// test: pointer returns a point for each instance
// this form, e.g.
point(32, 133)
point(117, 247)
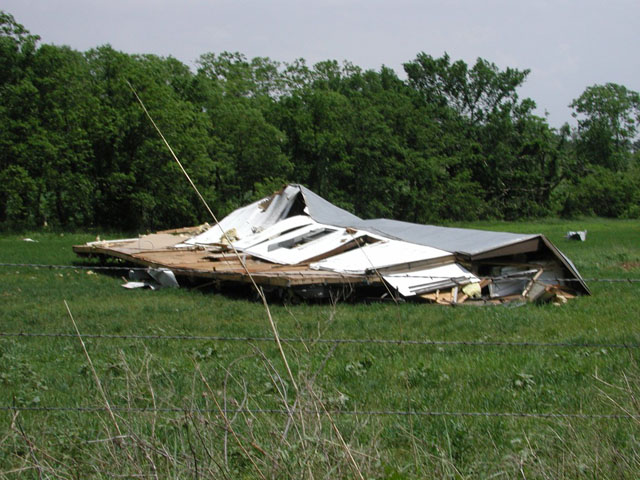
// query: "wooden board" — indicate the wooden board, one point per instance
point(226, 267)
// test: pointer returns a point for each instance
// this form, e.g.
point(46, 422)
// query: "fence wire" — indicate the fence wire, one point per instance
point(368, 413)
point(191, 270)
point(338, 341)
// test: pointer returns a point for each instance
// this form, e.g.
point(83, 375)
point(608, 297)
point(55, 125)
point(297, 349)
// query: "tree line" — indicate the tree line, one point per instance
point(452, 141)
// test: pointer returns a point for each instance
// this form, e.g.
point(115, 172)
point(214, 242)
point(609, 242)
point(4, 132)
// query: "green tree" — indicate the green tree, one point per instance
point(17, 46)
point(490, 137)
point(18, 197)
point(474, 93)
point(451, 142)
point(240, 77)
point(608, 119)
point(237, 96)
point(138, 184)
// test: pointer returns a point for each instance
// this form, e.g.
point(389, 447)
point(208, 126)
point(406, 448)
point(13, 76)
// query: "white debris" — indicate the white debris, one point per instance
point(577, 235)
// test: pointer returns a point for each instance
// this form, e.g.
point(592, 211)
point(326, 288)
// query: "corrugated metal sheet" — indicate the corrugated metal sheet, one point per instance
point(326, 212)
point(460, 240)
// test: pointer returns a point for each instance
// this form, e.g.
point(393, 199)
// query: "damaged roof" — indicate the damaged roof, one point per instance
point(461, 240)
point(295, 239)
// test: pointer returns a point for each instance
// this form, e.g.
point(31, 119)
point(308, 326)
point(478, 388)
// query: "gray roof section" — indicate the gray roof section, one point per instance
point(463, 241)
point(326, 212)
point(460, 240)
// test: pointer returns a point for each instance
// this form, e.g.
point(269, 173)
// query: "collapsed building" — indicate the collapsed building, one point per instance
point(295, 243)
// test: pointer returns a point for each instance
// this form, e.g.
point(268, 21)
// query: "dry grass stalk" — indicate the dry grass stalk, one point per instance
point(93, 371)
point(228, 425)
point(345, 447)
point(112, 416)
point(631, 391)
point(230, 243)
point(42, 465)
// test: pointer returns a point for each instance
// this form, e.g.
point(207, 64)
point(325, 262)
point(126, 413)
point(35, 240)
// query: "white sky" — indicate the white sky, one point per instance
point(567, 44)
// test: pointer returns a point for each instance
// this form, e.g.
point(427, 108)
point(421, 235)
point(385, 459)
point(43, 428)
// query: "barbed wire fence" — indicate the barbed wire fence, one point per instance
point(332, 341)
point(361, 341)
point(367, 413)
point(191, 270)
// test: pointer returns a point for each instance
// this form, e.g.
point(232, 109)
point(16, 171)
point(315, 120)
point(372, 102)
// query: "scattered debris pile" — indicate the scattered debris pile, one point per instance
point(296, 243)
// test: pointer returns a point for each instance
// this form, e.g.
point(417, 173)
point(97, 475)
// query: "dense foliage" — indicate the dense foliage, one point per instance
point(452, 141)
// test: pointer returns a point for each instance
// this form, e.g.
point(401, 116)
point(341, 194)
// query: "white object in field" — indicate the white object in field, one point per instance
point(430, 279)
point(577, 235)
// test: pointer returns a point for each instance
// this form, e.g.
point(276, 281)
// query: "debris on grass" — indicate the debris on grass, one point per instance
point(294, 243)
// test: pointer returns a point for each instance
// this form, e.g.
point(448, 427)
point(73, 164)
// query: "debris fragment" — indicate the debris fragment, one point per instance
point(472, 290)
point(230, 235)
point(577, 235)
point(153, 278)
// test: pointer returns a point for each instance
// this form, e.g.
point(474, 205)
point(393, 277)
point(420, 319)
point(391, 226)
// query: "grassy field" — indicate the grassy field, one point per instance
point(168, 395)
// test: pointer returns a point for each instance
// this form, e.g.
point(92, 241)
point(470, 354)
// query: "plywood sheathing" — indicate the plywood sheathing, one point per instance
point(204, 263)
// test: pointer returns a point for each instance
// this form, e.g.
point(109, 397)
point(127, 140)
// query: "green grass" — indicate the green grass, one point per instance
point(53, 372)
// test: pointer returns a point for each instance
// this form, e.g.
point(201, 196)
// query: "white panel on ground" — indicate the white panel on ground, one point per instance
point(430, 279)
point(378, 255)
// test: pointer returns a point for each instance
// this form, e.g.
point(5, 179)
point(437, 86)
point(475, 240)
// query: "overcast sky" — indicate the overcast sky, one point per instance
point(567, 44)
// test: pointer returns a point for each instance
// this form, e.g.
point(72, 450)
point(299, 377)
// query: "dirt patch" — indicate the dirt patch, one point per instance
point(630, 266)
